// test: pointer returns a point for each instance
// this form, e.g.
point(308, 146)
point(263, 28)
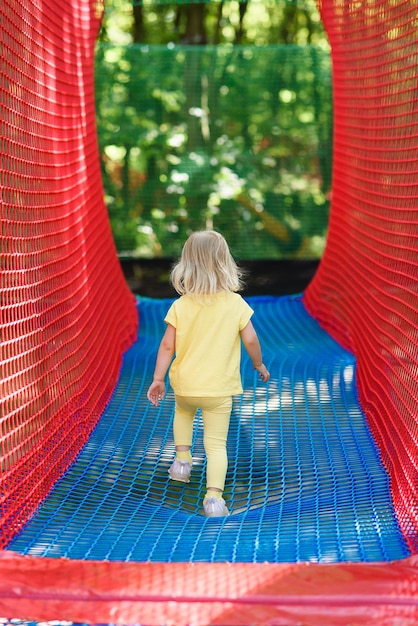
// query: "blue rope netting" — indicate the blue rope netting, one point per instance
point(305, 481)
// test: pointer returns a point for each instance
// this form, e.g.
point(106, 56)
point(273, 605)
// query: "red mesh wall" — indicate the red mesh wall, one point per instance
point(365, 292)
point(66, 312)
point(219, 594)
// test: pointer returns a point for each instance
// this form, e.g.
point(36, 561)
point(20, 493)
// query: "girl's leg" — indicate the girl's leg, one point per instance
point(216, 414)
point(183, 427)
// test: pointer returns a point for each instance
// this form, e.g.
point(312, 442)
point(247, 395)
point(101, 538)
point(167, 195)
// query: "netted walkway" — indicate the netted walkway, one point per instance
point(305, 481)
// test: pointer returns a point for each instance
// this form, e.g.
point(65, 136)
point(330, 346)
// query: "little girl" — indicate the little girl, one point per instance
point(205, 327)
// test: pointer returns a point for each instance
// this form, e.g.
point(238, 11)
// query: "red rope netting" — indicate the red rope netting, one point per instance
point(365, 292)
point(66, 312)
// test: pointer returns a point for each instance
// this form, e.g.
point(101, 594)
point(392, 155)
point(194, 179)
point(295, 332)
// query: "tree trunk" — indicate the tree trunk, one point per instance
point(138, 33)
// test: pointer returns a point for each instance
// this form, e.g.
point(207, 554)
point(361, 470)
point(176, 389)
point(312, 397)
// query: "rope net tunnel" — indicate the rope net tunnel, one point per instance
point(322, 482)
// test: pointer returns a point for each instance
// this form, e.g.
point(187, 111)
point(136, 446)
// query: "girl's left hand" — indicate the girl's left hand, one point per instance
point(264, 373)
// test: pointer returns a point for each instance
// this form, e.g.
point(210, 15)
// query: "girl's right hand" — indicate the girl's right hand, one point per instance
point(156, 392)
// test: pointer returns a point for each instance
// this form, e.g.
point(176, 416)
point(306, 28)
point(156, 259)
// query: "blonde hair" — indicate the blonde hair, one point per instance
point(206, 266)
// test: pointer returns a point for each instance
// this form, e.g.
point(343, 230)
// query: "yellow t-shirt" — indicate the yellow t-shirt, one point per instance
point(208, 344)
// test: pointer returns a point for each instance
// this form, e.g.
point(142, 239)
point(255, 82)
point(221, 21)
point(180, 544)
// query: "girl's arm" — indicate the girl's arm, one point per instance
point(252, 346)
point(164, 357)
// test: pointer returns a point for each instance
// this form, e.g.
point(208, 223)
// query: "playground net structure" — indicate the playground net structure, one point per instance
point(67, 315)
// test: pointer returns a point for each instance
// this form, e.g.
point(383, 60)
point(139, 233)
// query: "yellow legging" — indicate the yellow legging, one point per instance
point(216, 413)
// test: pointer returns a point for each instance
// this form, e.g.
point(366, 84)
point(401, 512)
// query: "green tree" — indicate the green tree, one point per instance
point(232, 136)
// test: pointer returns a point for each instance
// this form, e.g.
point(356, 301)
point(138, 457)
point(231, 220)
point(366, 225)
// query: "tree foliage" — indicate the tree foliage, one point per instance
point(204, 122)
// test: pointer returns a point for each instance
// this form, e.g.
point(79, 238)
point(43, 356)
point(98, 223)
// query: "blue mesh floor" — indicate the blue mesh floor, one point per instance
point(305, 481)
